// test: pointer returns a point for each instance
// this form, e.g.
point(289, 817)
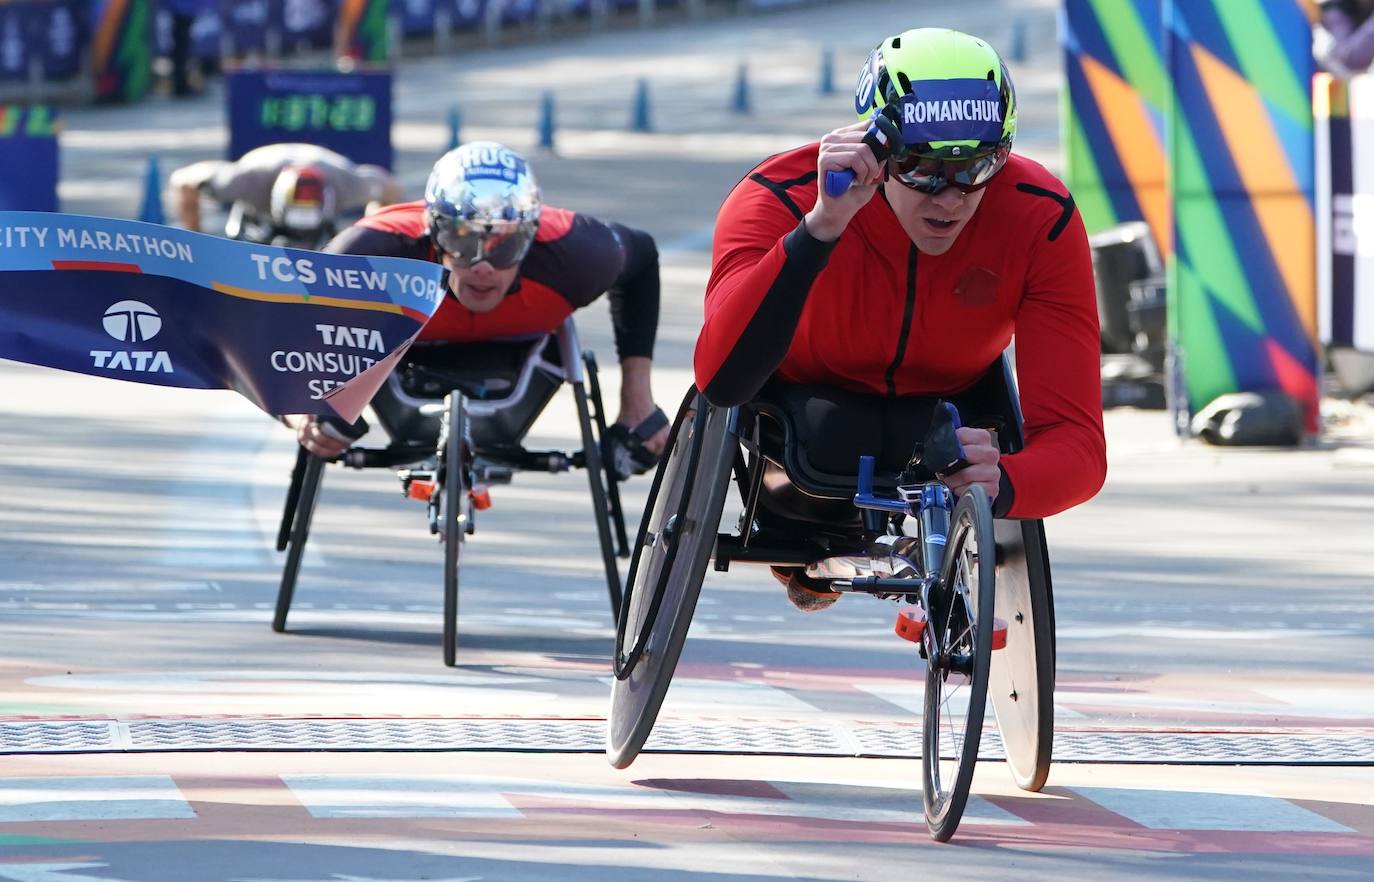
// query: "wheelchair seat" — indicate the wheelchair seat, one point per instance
point(813, 435)
point(506, 384)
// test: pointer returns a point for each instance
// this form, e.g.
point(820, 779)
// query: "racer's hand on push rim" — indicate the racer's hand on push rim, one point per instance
point(841, 149)
point(981, 453)
point(319, 438)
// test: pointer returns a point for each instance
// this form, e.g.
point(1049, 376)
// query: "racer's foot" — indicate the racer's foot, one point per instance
point(806, 594)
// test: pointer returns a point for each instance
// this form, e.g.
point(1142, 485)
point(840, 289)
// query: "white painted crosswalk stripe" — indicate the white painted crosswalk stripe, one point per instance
point(103, 798)
point(697, 694)
point(394, 796)
point(911, 697)
point(1184, 810)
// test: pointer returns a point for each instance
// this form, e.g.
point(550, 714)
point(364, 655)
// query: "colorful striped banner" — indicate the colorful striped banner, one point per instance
point(1195, 118)
point(364, 30)
point(122, 49)
point(1242, 292)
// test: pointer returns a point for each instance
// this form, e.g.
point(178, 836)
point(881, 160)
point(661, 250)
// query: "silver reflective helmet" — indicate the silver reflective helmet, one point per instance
point(478, 191)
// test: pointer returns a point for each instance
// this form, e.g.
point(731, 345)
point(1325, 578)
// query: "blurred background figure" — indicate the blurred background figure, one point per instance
point(283, 194)
point(1343, 40)
point(183, 14)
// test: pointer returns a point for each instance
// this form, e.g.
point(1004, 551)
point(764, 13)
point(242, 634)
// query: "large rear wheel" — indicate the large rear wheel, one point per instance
point(1021, 684)
point(958, 645)
point(676, 537)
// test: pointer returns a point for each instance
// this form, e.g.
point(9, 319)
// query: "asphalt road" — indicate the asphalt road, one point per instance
point(1214, 615)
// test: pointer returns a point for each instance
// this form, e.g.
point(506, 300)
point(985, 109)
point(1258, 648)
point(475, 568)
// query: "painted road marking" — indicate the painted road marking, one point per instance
point(390, 796)
point(717, 695)
point(1352, 703)
point(911, 697)
point(103, 798)
point(471, 796)
point(1190, 810)
point(53, 873)
point(858, 801)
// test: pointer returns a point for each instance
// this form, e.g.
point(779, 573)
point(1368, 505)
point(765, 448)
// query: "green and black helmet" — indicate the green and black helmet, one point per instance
point(952, 99)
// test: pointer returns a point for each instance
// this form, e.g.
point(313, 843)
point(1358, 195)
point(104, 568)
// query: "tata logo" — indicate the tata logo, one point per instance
point(132, 322)
point(129, 321)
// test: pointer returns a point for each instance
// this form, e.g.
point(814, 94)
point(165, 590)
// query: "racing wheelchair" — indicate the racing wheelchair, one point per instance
point(981, 611)
point(456, 416)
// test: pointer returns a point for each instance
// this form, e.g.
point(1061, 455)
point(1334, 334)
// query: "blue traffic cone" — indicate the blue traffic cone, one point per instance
point(742, 89)
point(455, 119)
point(1016, 46)
point(151, 212)
point(639, 118)
point(827, 85)
point(546, 122)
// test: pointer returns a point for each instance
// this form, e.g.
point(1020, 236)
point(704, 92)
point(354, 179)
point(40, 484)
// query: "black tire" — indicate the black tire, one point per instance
point(1021, 683)
point(293, 498)
point(612, 486)
point(963, 620)
point(678, 532)
point(453, 515)
point(307, 494)
point(596, 481)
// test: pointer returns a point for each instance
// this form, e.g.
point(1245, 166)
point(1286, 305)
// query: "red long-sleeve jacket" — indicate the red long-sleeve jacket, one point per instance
point(873, 314)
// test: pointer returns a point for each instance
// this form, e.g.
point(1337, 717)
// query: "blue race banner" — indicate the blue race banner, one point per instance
point(56, 35)
point(308, 24)
point(246, 23)
point(28, 142)
point(14, 52)
point(292, 331)
point(349, 113)
point(417, 17)
point(468, 14)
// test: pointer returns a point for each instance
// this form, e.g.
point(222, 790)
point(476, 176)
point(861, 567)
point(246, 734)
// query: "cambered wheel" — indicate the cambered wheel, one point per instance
point(454, 514)
point(1021, 684)
point(300, 508)
point(957, 670)
point(676, 537)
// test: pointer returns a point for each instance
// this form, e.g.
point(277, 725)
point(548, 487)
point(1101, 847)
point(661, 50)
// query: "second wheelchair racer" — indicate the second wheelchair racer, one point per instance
point(865, 308)
point(518, 267)
point(291, 192)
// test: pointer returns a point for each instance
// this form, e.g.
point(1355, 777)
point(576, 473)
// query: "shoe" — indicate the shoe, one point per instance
point(806, 594)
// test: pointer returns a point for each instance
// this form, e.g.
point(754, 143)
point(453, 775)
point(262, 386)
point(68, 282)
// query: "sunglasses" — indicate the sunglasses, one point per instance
point(467, 245)
point(930, 174)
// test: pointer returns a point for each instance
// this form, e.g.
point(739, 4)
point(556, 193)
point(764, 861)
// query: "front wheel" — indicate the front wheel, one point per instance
point(958, 643)
point(453, 515)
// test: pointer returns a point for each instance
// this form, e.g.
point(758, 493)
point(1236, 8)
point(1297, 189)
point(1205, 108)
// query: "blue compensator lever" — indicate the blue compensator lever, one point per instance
point(865, 498)
point(883, 138)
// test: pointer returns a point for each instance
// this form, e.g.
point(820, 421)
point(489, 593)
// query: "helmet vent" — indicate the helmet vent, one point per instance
point(897, 42)
point(992, 77)
point(905, 82)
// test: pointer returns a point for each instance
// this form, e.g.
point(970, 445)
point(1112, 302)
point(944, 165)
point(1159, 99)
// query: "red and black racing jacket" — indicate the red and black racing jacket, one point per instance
point(574, 259)
point(872, 314)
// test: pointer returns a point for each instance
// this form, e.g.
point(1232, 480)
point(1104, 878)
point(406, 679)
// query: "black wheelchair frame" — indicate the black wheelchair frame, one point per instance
point(469, 404)
point(679, 536)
